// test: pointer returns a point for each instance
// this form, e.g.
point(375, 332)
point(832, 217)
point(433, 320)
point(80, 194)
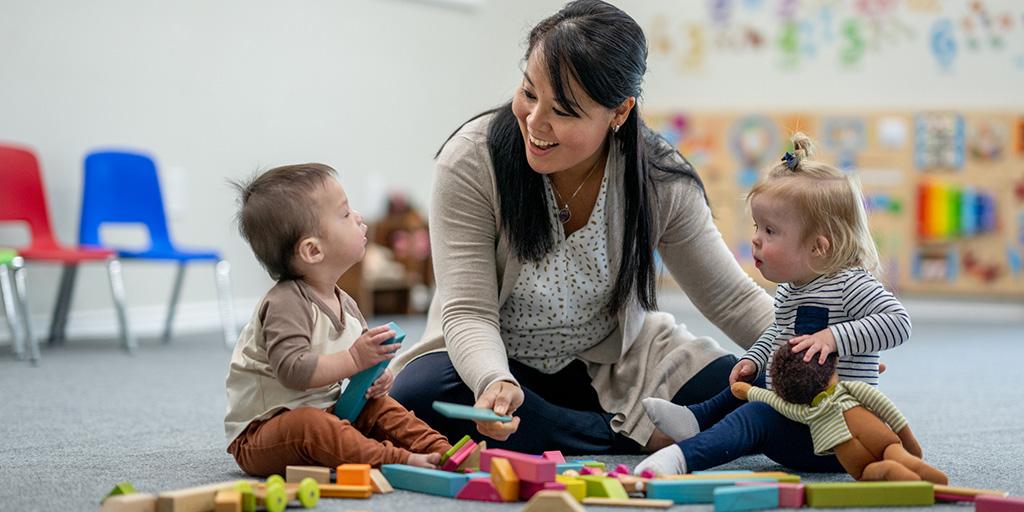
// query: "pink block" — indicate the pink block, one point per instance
point(453, 462)
point(790, 495)
point(647, 473)
point(989, 503)
point(941, 496)
point(555, 456)
point(621, 469)
point(585, 470)
point(479, 489)
point(528, 489)
point(529, 468)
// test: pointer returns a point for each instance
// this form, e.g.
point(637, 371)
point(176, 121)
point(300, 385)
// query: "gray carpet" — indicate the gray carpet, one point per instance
point(91, 416)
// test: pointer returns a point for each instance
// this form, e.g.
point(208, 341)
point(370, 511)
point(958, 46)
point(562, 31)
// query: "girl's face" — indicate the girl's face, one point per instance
point(782, 252)
point(555, 139)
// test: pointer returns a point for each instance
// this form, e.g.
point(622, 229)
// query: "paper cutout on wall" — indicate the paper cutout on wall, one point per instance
point(935, 264)
point(846, 136)
point(943, 43)
point(939, 141)
point(986, 140)
point(754, 142)
point(892, 132)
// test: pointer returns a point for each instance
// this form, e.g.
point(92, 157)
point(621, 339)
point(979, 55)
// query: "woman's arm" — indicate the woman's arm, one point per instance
point(463, 236)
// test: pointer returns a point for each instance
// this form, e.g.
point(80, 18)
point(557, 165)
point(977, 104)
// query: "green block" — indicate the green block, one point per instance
point(455, 448)
point(869, 494)
point(592, 464)
point(121, 488)
point(604, 487)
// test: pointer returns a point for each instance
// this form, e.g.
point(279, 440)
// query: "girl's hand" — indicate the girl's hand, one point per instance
point(369, 349)
point(744, 371)
point(503, 398)
point(382, 385)
point(821, 343)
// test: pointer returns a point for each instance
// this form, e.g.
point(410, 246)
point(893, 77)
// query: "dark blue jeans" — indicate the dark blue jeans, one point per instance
point(561, 411)
point(731, 428)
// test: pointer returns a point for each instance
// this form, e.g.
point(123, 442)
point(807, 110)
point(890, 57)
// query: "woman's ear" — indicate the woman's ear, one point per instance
point(623, 110)
point(310, 251)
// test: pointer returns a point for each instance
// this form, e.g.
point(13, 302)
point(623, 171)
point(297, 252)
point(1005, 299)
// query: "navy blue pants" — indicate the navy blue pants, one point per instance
point(731, 428)
point(561, 411)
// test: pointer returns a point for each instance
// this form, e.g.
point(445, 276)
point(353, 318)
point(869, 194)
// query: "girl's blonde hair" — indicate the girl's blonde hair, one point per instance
point(829, 202)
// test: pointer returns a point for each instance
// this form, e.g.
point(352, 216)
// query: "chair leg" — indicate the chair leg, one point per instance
point(179, 277)
point(11, 312)
point(63, 305)
point(227, 306)
point(117, 292)
point(26, 321)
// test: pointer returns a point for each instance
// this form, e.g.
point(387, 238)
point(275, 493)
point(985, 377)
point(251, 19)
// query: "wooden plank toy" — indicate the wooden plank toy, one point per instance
point(742, 499)
point(295, 474)
point(576, 487)
point(528, 489)
point(135, 502)
point(455, 448)
point(869, 494)
point(479, 489)
point(459, 457)
point(701, 490)
point(553, 501)
point(989, 503)
point(949, 493)
point(229, 500)
point(468, 412)
point(790, 495)
point(777, 476)
point(427, 481)
point(353, 399)
point(346, 491)
point(632, 483)
point(604, 487)
point(504, 478)
point(353, 474)
point(530, 468)
point(630, 503)
point(192, 499)
point(379, 484)
point(472, 462)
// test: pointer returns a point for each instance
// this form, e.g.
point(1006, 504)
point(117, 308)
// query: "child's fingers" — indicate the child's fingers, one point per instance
point(823, 355)
point(381, 337)
point(813, 349)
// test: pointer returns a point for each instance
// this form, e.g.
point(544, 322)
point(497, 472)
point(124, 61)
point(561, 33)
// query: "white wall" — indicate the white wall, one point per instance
point(217, 90)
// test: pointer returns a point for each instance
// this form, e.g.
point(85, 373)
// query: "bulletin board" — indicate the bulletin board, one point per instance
point(944, 190)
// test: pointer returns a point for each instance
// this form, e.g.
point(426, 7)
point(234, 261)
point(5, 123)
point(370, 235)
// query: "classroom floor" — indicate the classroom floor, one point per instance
point(90, 416)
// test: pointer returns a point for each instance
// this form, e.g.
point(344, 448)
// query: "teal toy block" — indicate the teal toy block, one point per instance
point(566, 466)
point(427, 481)
point(692, 491)
point(353, 399)
point(478, 474)
point(742, 499)
point(869, 494)
point(720, 471)
point(466, 412)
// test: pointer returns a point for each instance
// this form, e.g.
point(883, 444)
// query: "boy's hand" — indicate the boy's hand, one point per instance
point(821, 343)
point(382, 385)
point(740, 390)
point(369, 349)
point(744, 371)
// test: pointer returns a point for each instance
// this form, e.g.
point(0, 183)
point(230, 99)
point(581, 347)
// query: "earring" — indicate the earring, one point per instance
point(615, 128)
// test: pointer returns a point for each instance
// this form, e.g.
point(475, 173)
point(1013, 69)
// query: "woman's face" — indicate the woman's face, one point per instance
point(555, 139)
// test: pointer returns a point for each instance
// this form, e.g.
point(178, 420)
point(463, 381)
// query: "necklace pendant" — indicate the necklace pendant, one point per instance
point(564, 214)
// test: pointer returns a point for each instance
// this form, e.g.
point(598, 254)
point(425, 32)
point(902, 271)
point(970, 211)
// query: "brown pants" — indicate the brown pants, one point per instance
point(314, 437)
point(876, 453)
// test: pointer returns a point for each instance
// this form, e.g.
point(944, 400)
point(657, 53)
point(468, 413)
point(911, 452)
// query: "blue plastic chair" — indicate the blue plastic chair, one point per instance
point(123, 187)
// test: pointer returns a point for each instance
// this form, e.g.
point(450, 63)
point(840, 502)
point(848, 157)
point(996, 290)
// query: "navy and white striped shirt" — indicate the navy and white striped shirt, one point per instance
point(863, 316)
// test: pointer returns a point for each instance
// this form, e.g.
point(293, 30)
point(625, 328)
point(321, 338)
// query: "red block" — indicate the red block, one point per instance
point(529, 468)
point(989, 503)
point(528, 489)
point(790, 495)
point(479, 489)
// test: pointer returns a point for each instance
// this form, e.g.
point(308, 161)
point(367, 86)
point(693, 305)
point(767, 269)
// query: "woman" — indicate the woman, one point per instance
point(544, 221)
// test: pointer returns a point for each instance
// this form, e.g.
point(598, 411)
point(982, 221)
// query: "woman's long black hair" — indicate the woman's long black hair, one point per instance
point(604, 50)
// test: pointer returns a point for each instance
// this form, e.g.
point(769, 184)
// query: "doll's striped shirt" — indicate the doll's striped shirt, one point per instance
point(825, 419)
point(863, 316)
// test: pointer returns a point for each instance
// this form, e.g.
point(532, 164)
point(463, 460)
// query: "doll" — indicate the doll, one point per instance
point(868, 435)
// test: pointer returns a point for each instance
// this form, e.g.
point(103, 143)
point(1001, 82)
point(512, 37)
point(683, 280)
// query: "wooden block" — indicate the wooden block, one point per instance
point(193, 499)
point(790, 495)
point(295, 474)
point(455, 448)
point(528, 489)
point(721, 472)
point(529, 468)
point(700, 490)
point(778, 476)
point(869, 494)
point(379, 483)
point(130, 503)
point(353, 474)
point(964, 493)
point(604, 487)
point(594, 464)
point(575, 486)
point(428, 481)
point(989, 503)
point(459, 457)
point(553, 501)
point(742, 499)
point(504, 478)
point(479, 489)
point(632, 483)
point(632, 503)
point(555, 455)
point(122, 488)
point(568, 466)
point(228, 500)
point(345, 491)
point(472, 463)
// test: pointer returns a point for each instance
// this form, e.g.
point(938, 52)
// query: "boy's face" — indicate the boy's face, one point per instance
point(342, 230)
point(781, 251)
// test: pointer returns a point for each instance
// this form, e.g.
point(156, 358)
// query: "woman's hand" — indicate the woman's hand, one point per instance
point(503, 398)
point(744, 371)
point(822, 343)
point(382, 385)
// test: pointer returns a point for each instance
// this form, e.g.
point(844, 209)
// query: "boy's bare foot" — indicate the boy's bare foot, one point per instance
point(424, 460)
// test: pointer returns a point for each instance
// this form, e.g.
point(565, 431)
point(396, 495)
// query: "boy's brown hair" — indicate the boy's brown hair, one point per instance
point(796, 381)
point(277, 210)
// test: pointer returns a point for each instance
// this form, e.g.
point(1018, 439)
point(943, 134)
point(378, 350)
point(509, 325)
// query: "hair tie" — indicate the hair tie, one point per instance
point(791, 160)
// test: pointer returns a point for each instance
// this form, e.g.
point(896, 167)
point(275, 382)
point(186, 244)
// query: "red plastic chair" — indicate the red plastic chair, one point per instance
point(22, 199)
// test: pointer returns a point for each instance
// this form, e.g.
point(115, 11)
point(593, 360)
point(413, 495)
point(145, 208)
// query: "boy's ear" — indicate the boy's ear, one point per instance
point(821, 246)
point(310, 251)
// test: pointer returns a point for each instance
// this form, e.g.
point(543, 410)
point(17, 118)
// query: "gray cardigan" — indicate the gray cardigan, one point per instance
point(476, 269)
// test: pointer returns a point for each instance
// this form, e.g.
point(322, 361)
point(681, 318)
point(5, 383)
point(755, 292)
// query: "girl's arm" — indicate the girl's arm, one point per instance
point(881, 322)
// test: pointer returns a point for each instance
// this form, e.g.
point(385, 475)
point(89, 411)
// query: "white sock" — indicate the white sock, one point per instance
point(666, 461)
point(676, 421)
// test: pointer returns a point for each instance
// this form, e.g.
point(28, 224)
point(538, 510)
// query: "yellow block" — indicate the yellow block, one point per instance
point(505, 479)
point(345, 491)
point(574, 486)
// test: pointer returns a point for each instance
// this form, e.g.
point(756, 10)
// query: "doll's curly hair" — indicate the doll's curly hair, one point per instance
point(796, 381)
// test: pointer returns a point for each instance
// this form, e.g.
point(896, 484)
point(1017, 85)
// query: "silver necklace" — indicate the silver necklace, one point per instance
point(564, 213)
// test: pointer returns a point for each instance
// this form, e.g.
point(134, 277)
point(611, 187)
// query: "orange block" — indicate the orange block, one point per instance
point(353, 474)
point(505, 479)
point(345, 491)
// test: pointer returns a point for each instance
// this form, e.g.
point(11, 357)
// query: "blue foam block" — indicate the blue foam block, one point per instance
point(427, 481)
point(466, 412)
point(693, 491)
point(353, 399)
point(740, 499)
